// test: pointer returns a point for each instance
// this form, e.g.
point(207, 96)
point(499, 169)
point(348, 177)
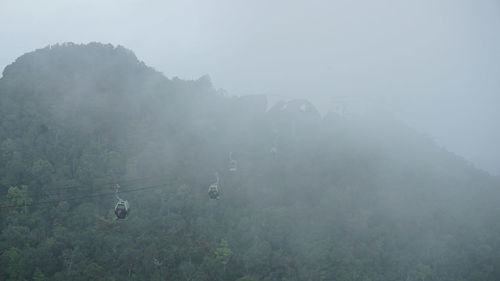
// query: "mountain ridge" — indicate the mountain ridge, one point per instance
point(333, 198)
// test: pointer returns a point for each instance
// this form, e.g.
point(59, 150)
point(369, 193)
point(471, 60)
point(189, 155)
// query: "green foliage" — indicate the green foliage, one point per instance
point(39, 276)
point(223, 253)
point(313, 198)
point(18, 196)
point(13, 265)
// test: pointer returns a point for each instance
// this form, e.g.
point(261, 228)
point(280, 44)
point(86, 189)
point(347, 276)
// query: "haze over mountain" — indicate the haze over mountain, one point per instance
point(312, 198)
point(435, 64)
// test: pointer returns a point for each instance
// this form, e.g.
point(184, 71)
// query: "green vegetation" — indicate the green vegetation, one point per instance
point(334, 198)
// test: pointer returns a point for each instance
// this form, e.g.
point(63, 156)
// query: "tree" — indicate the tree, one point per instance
point(223, 253)
point(18, 197)
point(13, 267)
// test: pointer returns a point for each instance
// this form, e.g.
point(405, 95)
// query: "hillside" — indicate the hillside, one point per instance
point(313, 198)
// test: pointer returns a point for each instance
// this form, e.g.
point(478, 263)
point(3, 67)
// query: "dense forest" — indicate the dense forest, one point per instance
point(313, 197)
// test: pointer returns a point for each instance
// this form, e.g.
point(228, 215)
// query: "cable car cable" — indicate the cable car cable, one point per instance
point(81, 197)
point(52, 191)
point(123, 183)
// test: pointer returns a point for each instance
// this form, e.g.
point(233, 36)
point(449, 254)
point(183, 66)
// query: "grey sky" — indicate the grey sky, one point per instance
point(436, 63)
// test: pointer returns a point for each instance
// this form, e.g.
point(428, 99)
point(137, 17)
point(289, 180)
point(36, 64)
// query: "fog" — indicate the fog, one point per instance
point(433, 64)
point(308, 152)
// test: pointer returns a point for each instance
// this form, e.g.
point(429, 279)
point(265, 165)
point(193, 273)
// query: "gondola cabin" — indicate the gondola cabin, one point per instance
point(213, 191)
point(122, 209)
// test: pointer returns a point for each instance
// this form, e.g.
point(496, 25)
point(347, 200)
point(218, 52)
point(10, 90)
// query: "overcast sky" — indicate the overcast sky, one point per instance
point(435, 63)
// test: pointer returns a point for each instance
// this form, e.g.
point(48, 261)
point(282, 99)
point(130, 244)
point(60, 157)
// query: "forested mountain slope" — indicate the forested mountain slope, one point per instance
point(313, 198)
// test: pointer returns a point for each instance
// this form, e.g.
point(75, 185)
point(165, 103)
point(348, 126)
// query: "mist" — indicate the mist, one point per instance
point(249, 141)
point(433, 64)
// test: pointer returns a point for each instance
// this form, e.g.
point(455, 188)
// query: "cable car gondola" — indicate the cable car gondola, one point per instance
point(213, 189)
point(121, 209)
point(233, 165)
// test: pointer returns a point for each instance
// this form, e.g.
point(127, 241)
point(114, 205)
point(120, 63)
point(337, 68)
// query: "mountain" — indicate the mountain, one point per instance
point(312, 198)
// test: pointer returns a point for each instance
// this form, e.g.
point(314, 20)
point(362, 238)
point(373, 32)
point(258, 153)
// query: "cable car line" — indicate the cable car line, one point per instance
point(53, 191)
point(82, 197)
